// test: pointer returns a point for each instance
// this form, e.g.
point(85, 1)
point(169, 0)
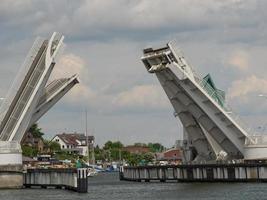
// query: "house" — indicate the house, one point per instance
point(75, 142)
point(136, 149)
point(173, 155)
point(31, 141)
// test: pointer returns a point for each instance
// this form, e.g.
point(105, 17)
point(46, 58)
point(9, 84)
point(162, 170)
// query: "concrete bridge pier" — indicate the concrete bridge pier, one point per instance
point(11, 175)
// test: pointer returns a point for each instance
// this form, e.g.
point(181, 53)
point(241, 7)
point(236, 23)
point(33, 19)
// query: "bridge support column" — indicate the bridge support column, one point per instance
point(10, 165)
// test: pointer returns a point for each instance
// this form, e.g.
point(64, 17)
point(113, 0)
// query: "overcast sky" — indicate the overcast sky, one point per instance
point(103, 44)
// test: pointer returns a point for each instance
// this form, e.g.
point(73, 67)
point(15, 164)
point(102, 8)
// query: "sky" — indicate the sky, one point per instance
point(104, 42)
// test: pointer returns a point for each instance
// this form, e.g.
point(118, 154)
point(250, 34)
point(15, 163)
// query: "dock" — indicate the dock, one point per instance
point(241, 172)
point(69, 179)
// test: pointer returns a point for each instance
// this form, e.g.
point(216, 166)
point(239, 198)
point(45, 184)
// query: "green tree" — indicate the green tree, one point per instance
point(54, 146)
point(112, 145)
point(156, 147)
point(148, 158)
point(29, 151)
point(36, 131)
point(99, 153)
point(51, 146)
point(117, 145)
point(108, 145)
point(112, 151)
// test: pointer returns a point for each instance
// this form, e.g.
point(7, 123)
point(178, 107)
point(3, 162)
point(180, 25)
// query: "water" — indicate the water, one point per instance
point(108, 187)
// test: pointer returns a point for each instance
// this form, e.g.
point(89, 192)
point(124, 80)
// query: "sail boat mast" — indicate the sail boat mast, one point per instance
point(87, 141)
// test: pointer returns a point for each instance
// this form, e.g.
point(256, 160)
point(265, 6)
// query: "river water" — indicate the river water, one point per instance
point(108, 187)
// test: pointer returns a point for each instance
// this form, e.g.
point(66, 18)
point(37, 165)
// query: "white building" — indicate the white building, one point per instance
point(74, 142)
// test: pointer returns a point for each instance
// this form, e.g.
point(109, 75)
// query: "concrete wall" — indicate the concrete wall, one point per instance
point(10, 165)
point(11, 176)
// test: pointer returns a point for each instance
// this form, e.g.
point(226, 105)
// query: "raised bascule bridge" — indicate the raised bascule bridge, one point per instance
point(211, 129)
point(28, 99)
point(217, 146)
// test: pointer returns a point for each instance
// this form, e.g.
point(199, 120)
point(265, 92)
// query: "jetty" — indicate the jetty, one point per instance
point(241, 172)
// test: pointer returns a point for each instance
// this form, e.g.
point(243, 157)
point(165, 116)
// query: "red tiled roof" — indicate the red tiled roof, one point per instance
point(71, 138)
point(68, 139)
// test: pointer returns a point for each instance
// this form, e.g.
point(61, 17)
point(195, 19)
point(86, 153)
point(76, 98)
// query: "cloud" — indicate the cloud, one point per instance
point(136, 97)
point(243, 96)
point(119, 18)
point(239, 60)
point(68, 65)
point(251, 84)
point(142, 96)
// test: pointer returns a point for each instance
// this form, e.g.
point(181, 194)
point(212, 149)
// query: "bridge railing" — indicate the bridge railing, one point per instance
point(20, 77)
point(212, 93)
point(51, 88)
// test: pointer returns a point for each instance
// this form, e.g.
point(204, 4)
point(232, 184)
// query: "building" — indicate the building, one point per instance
point(173, 156)
point(31, 141)
point(75, 142)
point(136, 149)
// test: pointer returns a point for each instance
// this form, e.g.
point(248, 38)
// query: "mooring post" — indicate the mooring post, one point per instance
point(82, 180)
point(121, 173)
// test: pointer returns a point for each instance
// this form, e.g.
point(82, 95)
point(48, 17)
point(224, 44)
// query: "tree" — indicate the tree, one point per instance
point(112, 151)
point(99, 153)
point(148, 157)
point(117, 145)
point(113, 145)
point(36, 131)
point(51, 146)
point(29, 151)
point(54, 146)
point(134, 159)
point(156, 147)
point(108, 145)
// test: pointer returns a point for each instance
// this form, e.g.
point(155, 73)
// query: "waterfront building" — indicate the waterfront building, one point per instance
point(75, 142)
